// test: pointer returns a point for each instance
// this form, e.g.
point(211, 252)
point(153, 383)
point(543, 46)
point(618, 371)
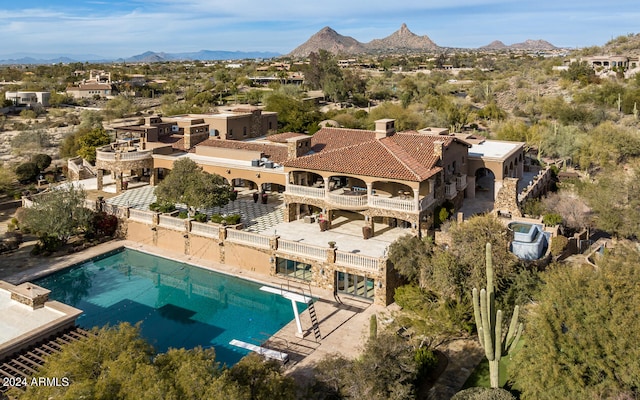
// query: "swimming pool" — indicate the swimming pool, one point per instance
point(179, 305)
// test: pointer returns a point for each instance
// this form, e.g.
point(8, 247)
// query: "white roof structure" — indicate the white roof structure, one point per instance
point(494, 149)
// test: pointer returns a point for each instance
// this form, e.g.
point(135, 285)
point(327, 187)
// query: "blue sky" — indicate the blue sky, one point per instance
point(126, 28)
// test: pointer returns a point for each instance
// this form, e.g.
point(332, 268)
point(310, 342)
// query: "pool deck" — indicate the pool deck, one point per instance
point(343, 326)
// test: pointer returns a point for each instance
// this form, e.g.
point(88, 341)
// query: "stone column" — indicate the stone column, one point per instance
point(153, 179)
point(331, 255)
point(100, 177)
point(326, 187)
point(369, 192)
point(416, 199)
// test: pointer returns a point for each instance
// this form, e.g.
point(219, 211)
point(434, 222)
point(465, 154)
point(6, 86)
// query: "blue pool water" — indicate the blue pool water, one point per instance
point(179, 305)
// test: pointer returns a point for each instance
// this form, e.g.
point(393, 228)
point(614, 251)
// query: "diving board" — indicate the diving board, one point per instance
point(287, 295)
point(294, 297)
point(268, 353)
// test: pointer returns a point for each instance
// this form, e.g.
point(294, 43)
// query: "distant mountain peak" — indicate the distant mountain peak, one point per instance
point(330, 40)
point(403, 38)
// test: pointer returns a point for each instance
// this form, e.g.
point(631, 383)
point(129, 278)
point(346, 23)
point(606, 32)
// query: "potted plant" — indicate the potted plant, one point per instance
point(255, 197)
point(367, 232)
point(264, 198)
point(324, 225)
point(332, 244)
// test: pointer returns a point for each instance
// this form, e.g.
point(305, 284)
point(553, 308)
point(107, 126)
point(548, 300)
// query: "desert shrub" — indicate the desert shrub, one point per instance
point(558, 244)
point(426, 361)
point(42, 161)
point(104, 224)
point(479, 393)
point(552, 219)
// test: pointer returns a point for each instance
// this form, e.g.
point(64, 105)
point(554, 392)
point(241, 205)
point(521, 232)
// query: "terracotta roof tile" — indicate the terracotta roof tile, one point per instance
point(334, 138)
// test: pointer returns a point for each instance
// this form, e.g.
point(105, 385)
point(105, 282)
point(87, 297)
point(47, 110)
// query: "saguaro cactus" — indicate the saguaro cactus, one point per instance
point(489, 324)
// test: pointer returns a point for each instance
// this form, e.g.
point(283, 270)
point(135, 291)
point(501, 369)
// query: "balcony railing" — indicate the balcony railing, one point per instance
point(450, 190)
point(124, 156)
point(348, 201)
point(253, 239)
point(307, 191)
point(345, 258)
point(199, 228)
point(392, 204)
point(461, 182)
point(141, 216)
point(302, 249)
point(172, 222)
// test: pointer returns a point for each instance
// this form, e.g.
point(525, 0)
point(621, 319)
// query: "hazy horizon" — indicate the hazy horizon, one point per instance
point(124, 29)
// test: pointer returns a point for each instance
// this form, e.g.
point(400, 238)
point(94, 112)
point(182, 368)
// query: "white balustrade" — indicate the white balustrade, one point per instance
point(371, 264)
point(450, 190)
point(307, 191)
point(203, 229)
point(302, 249)
point(166, 221)
point(348, 201)
point(141, 216)
point(251, 238)
point(461, 182)
point(135, 155)
point(392, 204)
point(105, 155)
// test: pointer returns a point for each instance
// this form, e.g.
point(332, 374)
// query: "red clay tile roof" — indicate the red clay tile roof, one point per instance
point(282, 137)
point(274, 152)
point(404, 155)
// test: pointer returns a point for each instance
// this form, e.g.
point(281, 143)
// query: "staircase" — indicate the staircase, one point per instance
point(315, 326)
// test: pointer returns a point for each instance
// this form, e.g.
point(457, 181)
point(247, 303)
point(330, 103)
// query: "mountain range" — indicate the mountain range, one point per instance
point(401, 40)
point(149, 56)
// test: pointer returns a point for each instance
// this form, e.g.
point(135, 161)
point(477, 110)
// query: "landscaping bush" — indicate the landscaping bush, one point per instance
point(201, 217)
point(104, 224)
point(426, 362)
point(231, 219)
point(552, 219)
point(162, 207)
point(558, 244)
point(183, 215)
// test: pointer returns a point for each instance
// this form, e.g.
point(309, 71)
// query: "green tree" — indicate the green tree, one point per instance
point(42, 161)
point(581, 340)
point(90, 141)
point(27, 172)
point(59, 213)
point(261, 379)
point(188, 184)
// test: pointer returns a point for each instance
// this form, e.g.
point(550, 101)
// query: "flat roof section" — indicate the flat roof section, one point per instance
point(24, 325)
point(494, 149)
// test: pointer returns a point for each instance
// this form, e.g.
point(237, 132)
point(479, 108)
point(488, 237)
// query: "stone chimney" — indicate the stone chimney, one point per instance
point(438, 148)
point(385, 127)
point(298, 146)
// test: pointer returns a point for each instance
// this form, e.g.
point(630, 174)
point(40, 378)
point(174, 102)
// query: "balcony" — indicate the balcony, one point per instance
point(131, 155)
point(390, 203)
point(356, 200)
point(427, 201)
point(461, 182)
point(450, 190)
point(305, 191)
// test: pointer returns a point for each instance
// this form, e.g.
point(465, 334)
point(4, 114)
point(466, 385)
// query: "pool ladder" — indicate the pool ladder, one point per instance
point(315, 324)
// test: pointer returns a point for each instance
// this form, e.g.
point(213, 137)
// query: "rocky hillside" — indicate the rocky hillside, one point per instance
point(528, 45)
point(403, 39)
point(627, 45)
point(330, 40)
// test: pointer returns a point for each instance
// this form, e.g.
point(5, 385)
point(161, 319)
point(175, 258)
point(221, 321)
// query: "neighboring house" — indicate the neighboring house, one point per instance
point(90, 90)
point(98, 84)
point(28, 99)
